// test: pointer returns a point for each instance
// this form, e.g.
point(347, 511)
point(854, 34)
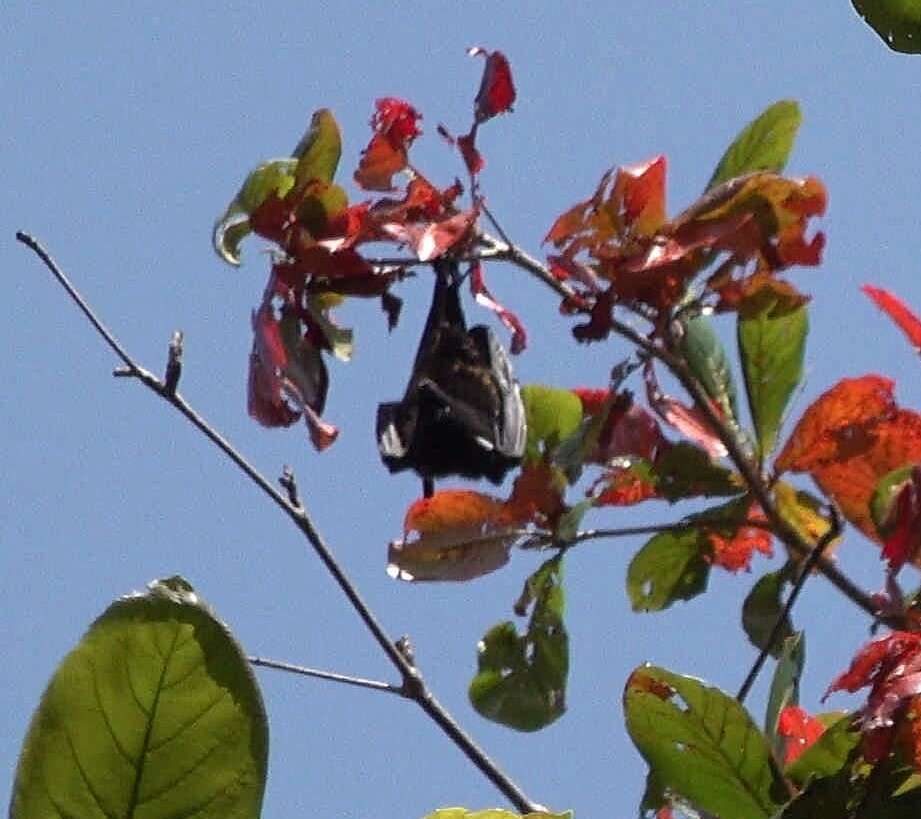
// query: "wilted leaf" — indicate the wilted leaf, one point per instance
point(761, 609)
point(898, 22)
point(898, 311)
point(701, 744)
point(395, 126)
point(461, 535)
point(521, 679)
point(671, 566)
point(552, 415)
point(763, 145)
point(155, 713)
point(772, 338)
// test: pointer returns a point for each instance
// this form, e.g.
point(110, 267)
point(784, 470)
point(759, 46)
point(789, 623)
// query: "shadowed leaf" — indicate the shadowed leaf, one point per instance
point(761, 609)
point(897, 22)
point(671, 566)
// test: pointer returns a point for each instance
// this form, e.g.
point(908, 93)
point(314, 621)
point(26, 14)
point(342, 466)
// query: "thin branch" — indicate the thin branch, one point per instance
point(834, 531)
point(797, 544)
point(414, 685)
point(346, 679)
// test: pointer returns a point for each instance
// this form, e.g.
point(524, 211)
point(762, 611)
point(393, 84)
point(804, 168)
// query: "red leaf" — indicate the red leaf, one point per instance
point(625, 486)
point(497, 91)
point(473, 159)
point(733, 551)
point(485, 299)
point(904, 541)
point(689, 421)
point(435, 238)
point(266, 363)
point(395, 124)
point(799, 729)
point(898, 311)
point(397, 120)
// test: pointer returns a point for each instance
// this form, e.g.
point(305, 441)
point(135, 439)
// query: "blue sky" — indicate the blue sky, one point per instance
point(125, 131)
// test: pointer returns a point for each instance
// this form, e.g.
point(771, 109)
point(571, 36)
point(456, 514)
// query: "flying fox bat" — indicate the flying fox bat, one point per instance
point(462, 412)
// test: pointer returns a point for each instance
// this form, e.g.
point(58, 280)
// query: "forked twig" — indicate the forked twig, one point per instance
point(413, 685)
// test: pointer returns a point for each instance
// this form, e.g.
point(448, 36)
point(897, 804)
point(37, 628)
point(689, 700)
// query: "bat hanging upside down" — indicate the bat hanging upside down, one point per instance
point(462, 412)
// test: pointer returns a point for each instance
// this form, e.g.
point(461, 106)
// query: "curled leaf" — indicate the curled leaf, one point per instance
point(898, 311)
point(497, 90)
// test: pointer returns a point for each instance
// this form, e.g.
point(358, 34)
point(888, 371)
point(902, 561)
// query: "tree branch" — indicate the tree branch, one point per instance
point(679, 368)
point(346, 679)
point(414, 685)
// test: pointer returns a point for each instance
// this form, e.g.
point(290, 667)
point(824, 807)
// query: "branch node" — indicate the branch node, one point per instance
point(173, 364)
point(289, 483)
point(123, 372)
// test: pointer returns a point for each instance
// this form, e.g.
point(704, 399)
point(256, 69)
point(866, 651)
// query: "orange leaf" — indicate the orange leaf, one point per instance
point(379, 162)
point(850, 482)
point(536, 497)
point(733, 551)
point(451, 509)
point(838, 423)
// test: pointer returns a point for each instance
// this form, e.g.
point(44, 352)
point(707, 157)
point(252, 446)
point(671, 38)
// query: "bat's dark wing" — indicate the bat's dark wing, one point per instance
point(462, 412)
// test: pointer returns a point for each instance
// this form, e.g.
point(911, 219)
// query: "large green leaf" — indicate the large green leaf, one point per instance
point(707, 359)
point(763, 145)
point(319, 150)
point(521, 679)
point(275, 176)
point(762, 607)
point(671, 566)
point(701, 744)
point(154, 714)
point(552, 415)
point(686, 471)
point(898, 22)
point(493, 813)
point(772, 340)
point(784, 686)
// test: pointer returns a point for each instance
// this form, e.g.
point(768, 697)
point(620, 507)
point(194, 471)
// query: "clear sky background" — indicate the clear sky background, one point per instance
point(125, 130)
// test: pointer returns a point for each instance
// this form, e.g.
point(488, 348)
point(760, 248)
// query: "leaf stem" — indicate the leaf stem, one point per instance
point(414, 685)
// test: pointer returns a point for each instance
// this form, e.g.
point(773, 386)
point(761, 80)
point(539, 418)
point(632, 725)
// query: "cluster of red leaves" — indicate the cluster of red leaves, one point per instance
point(848, 439)
point(621, 231)
point(891, 667)
point(799, 730)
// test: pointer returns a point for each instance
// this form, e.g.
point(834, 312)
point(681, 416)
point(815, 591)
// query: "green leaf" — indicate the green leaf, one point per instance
point(772, 340)
point(705, 355)
point(552, 414)
point(763, 145)
point(493, 813)
point(568, 525)
point(762, 607)
point(700, 744)
point(885, 494)
point(521, 679)
point(275, 176)
point(672, 566)
point(898, 22)
point(155, 713)
point(686, 471)
point(827, 755)
point(785, 686)
point(319, 150)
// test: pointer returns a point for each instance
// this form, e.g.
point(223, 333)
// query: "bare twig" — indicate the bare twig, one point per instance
point(173, 363)
point(413, 685)
point(834, 531)
point(346, 679)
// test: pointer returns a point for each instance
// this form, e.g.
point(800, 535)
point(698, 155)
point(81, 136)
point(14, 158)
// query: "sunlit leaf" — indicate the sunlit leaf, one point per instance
point(806, 514)
point(898, 22)
point(155, 713)
point(460, 535)
point(671, 566)
point(763, 145)
point(274, 177)
point(772, 338)
point(761, 609)
point(521, 679)
point(836, 425)
point(319, 150)
point(552, 415)
point(701, 744)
